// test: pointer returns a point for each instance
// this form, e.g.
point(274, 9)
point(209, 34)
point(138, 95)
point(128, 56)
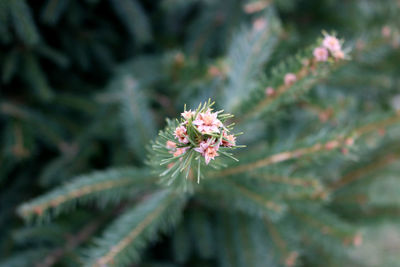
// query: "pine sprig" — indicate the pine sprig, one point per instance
point(101, 187)
point(339, 142)
point(243, 197)
point(187, 146)
point(23, 22)
point(249, 50)
point(127, 236)
point(276, 89)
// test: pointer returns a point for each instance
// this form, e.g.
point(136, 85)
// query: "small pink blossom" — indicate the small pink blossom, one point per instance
point(180, 151)
point(331, 43)
point(207, 150)
point(180, 134)
point(214, 71)
point(290, 78)
point(386, 31)
point(228, 140)
point(269, 91)
point(187, 114)
point(332, 145)
point(170, 145)
point(321, 54)
point(338, 54)
point(358, 240)
point(207, 122)
point(259, 24)
point(349, 141)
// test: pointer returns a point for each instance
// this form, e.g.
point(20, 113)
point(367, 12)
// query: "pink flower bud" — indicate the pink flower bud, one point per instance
point(290, 78)
point(338, 54)
point(386, 31)
point(259, 24)
point(269, 91)
point(349, 141)
point(170, 145)
point(331, 145)
point(358, 240)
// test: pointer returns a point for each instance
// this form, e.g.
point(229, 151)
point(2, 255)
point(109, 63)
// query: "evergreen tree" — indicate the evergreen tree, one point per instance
point(100, 168)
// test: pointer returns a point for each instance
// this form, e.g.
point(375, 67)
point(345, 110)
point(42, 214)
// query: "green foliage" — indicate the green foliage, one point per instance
point(124, 238)
point(103, 187)
point(23, 22)
point(134, 18)
point(249, 51)
point(86, 85)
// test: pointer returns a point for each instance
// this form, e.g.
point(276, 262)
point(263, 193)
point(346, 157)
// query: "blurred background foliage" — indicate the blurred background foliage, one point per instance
point(85, 85)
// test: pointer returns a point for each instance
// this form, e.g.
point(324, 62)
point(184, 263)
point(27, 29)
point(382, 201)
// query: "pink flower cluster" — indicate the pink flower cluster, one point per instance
point(331, 45)
point(210, 135)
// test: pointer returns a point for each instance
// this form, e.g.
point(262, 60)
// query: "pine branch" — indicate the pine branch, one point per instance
point(73, 242)
point(36, 78)
point(103, 187)
point(23, 22)
point(277, 158)
point(316, 148)
point(5, 36)
point(24, 258)
point(201, 230)
point(243, 241)
point(289, 258)
point(122, 241)
point(135, 114)
point(272, 92)
point(249, 50)
point(357, 174)
point(326, 223)
point(134, 18)
point(46, 129)
point(287, 180)
point(10, 65)
point(224, 229)
point(53, 10)
point(243, 197)
point(181, 245)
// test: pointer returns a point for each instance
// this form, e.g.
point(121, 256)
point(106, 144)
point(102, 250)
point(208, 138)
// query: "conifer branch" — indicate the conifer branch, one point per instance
point(307, 76)
point(301, 74)
point(323, 228)
point(318, 147)
point(249, 50)
point(130, 237)
point(255, 197)
point(47, 129)
point(74, 241)
point(134, 108)
point(276, 237)
point(243, 198)
point(129, 233)
point(289, 258)
point(103, 186)
point(357, 174)
point(280, 157)
point(293, 181)
point(328, 225)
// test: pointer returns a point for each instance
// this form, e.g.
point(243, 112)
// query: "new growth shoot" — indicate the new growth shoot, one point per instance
point(198, 138)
